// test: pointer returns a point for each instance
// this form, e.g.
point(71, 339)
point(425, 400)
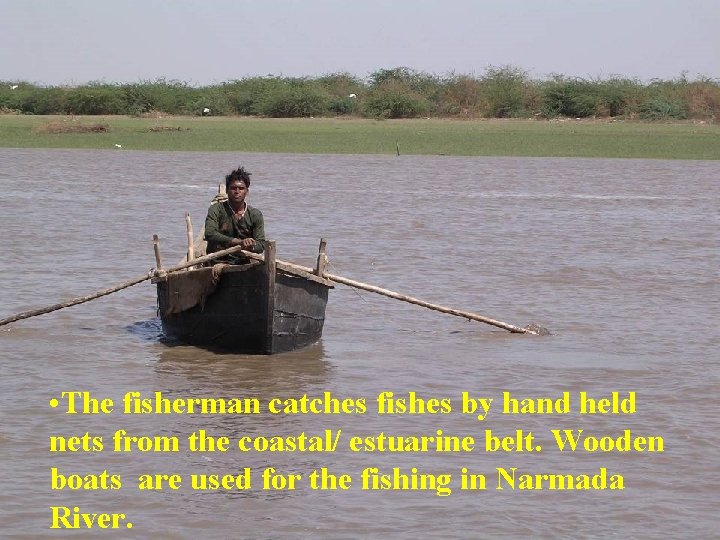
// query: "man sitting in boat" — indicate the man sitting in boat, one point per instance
point(234, 222)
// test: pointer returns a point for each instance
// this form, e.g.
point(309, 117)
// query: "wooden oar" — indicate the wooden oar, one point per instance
point(404, 298)
point(124, 285)
point(423, 303)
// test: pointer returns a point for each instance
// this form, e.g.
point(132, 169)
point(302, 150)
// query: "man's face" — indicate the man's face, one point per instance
point(237, 191)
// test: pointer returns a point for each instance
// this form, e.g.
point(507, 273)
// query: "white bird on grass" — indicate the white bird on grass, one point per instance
point(13, 87)
point(352, 96)
point(118, 146)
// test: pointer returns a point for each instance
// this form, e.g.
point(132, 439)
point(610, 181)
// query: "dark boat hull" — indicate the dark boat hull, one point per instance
point(250, 311)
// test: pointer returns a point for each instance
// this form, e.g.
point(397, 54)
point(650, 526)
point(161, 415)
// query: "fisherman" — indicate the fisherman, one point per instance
point(234, 222)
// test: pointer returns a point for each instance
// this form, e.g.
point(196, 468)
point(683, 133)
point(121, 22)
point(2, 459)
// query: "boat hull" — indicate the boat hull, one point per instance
point(250, 311)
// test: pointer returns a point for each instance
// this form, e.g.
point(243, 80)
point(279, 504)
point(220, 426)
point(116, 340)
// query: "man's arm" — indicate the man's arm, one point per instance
point(258, 227)
point(213, 224)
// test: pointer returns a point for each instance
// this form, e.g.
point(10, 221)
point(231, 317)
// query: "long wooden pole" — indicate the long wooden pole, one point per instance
point(435, 307)
point(124, 285)
point(402, 297)
point(73, 302)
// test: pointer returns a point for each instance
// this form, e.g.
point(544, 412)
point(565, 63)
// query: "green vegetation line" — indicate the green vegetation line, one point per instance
point(501, 92)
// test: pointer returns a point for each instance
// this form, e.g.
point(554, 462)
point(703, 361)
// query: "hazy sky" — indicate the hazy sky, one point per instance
point(210, 41)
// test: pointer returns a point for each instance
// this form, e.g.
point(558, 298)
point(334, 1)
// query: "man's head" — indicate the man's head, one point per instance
point(236, 185)
point(238, 174)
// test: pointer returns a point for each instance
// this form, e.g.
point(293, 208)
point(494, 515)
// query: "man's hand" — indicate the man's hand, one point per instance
point(246, 243)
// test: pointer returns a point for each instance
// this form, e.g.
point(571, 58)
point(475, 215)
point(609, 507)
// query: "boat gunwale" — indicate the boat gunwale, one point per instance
point(285, 268)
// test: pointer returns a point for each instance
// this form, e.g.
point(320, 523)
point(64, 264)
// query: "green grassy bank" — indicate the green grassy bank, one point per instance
point(566, 138)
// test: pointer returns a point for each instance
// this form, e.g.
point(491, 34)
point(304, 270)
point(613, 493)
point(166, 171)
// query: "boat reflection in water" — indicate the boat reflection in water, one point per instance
point(305, 370)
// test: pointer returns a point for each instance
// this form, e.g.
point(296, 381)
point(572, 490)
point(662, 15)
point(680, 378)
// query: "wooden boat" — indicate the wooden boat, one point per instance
point(265, 306)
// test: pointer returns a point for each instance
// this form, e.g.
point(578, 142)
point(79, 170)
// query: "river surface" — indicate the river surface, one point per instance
point(617, 258)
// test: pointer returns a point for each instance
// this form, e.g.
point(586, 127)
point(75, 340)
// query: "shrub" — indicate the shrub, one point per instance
point(137, 100)
point(247, 96)
point(401, 75)
point(503, 92)
point(340, 84)
point(423, 89)
point(293, 100)
point(662, 109)
point(461, 96)
point(342, 105)
point(46, 101)
point(30, 99)
point(94, 99)
point(569, 97)
point(339, 87)
point(240, 99)
point(210, 98)
point(394, 103)
point(616, 96)
point(171, 97)
point(702, 99)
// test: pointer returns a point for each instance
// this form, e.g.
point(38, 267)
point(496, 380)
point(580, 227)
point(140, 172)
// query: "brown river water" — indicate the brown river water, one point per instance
point(618, 258)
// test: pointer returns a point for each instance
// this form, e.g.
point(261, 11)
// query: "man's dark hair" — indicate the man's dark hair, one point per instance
point(238, 174)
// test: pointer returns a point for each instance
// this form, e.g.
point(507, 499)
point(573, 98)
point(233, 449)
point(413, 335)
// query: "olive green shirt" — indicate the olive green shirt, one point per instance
point(221, 226)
